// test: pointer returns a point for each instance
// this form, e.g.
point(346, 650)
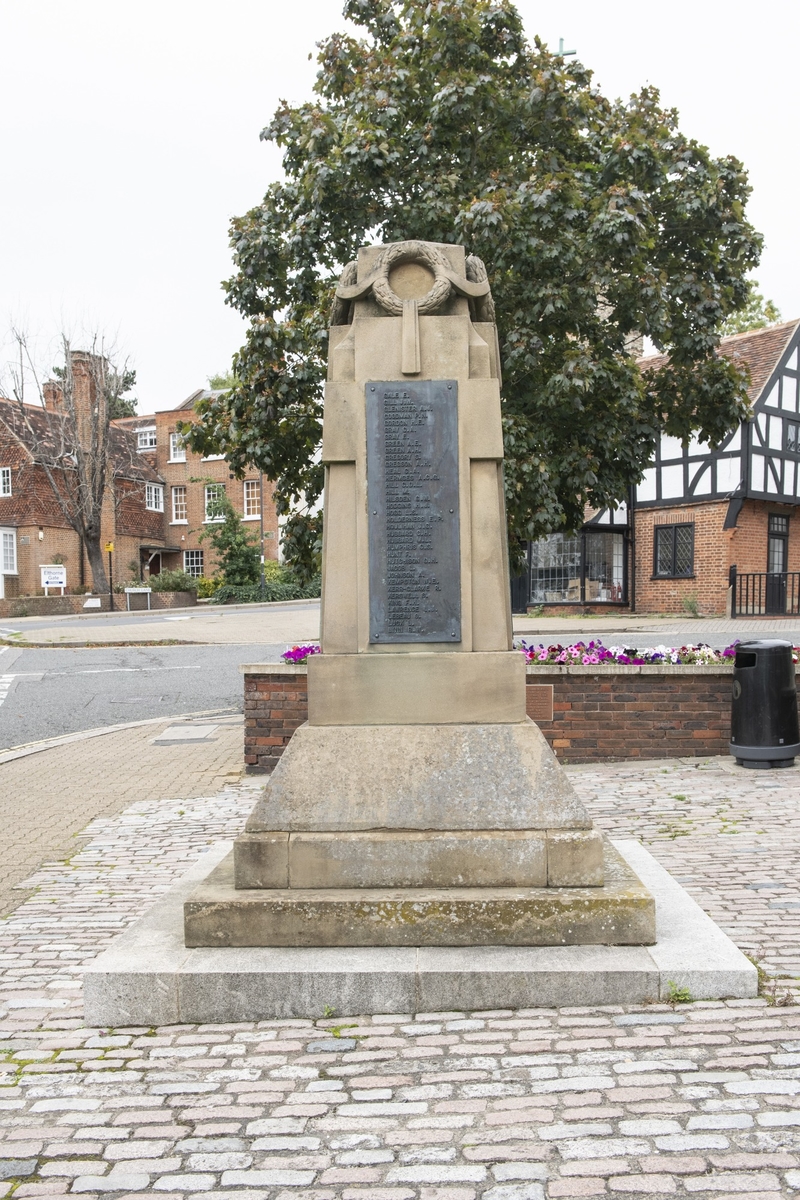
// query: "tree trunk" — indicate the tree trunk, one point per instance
point(95, 556)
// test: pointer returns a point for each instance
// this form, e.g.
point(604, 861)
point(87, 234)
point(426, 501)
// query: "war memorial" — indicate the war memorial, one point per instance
point(418, 847)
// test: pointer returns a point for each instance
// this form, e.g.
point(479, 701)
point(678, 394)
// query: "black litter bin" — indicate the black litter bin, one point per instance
point(764, 727)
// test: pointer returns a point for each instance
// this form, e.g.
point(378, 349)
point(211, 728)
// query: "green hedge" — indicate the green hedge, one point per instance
point(273, 590)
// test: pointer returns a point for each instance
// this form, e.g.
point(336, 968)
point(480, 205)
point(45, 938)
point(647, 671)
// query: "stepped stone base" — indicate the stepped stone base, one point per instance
point(148, 977)
point(411, 859)
point(621, 912)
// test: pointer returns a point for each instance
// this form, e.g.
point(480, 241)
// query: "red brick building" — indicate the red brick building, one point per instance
point(158, 500)
point(707, 530)
point(191, 485)
point(33, 528)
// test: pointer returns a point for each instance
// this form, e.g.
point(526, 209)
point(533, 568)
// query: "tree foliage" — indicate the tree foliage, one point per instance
point(222, 381)
point(238, 554)
point(596, 220)
point(757, 313)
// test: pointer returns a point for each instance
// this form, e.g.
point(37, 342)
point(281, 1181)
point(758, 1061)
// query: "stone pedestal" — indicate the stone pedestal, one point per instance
point(419, 806)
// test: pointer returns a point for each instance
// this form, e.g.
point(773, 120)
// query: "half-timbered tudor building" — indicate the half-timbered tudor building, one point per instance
point(705, 530)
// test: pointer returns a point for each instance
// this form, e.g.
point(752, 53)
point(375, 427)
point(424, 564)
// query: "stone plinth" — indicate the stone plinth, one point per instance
point(149, 977)
point(621, 912)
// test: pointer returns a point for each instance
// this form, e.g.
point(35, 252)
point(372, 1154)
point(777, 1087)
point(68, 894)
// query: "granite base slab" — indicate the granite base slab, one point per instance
point(149, 977)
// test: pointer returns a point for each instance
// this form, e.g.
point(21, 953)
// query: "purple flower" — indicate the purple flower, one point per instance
point(300, 654)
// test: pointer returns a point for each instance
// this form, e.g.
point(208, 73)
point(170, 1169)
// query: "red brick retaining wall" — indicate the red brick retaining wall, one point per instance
point(597, 717)
point(60, 606)
point(587, 714)
point(274, 705)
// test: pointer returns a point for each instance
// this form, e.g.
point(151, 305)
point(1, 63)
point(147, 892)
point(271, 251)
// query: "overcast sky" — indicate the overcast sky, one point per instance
point(129, 137)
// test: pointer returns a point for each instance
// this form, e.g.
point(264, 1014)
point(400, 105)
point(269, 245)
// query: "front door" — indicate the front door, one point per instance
point(777, 561)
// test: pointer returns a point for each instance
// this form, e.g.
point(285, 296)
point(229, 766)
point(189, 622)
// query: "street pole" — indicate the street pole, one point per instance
point(261, 525)
point(110, 551)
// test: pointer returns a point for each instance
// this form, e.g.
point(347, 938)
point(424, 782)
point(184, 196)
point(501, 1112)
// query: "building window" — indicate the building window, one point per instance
point(179, 505)
point(252, 498)
point(5, 481)
point(555, 570)
point(193, 563)
point(673, 551)
point(586, 568)
point(791, 441)
point(154, 497)
point(146, 438)
point(9, 552)
point(214, 494)
point(177, 448)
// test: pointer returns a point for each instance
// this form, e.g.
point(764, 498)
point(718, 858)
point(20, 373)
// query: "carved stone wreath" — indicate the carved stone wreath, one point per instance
point(475, 286)
point(401, 252)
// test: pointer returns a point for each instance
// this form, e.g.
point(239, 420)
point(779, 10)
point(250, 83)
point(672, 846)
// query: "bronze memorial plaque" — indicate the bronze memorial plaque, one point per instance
point(412, 493)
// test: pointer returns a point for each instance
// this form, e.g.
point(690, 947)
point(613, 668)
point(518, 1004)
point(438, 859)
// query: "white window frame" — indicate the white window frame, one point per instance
point(188, 567)
point(177, 448)
point(5, 481)
point(215, 489)
point(154, 492)
point(211, 457)
point(247, 501)
point(184, 520)
point(152, 440)
point(8, 538)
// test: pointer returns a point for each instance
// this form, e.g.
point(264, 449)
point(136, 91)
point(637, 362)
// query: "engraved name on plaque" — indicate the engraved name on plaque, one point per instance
point(412, 493)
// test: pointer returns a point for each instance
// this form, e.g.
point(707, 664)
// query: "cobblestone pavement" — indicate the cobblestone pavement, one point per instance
point(696, 1100)
point(729, 835)
point(64, 787)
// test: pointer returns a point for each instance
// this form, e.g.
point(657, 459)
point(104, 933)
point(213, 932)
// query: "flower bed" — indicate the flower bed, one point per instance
point(589, 654)
point(591, 702)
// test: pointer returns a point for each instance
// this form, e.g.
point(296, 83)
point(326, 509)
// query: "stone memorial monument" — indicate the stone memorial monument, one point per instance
point(418, 847)
point(419, 805)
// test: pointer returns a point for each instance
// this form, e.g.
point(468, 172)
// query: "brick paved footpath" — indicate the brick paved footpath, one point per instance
point(47, 799)
point(700, 1100)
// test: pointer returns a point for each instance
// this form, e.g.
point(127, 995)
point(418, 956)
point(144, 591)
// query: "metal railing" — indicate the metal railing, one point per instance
point(765, 593)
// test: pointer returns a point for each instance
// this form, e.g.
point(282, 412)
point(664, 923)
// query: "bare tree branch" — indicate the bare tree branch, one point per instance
point(69, 434)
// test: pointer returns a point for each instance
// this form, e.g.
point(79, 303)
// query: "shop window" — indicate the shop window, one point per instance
point(673, 551)
point(586, 568)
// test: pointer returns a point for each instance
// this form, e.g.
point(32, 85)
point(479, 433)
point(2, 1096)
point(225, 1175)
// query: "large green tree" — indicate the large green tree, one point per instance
point(596, 220)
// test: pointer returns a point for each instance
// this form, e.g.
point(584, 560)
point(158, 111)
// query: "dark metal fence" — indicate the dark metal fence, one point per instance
point(765, 593)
